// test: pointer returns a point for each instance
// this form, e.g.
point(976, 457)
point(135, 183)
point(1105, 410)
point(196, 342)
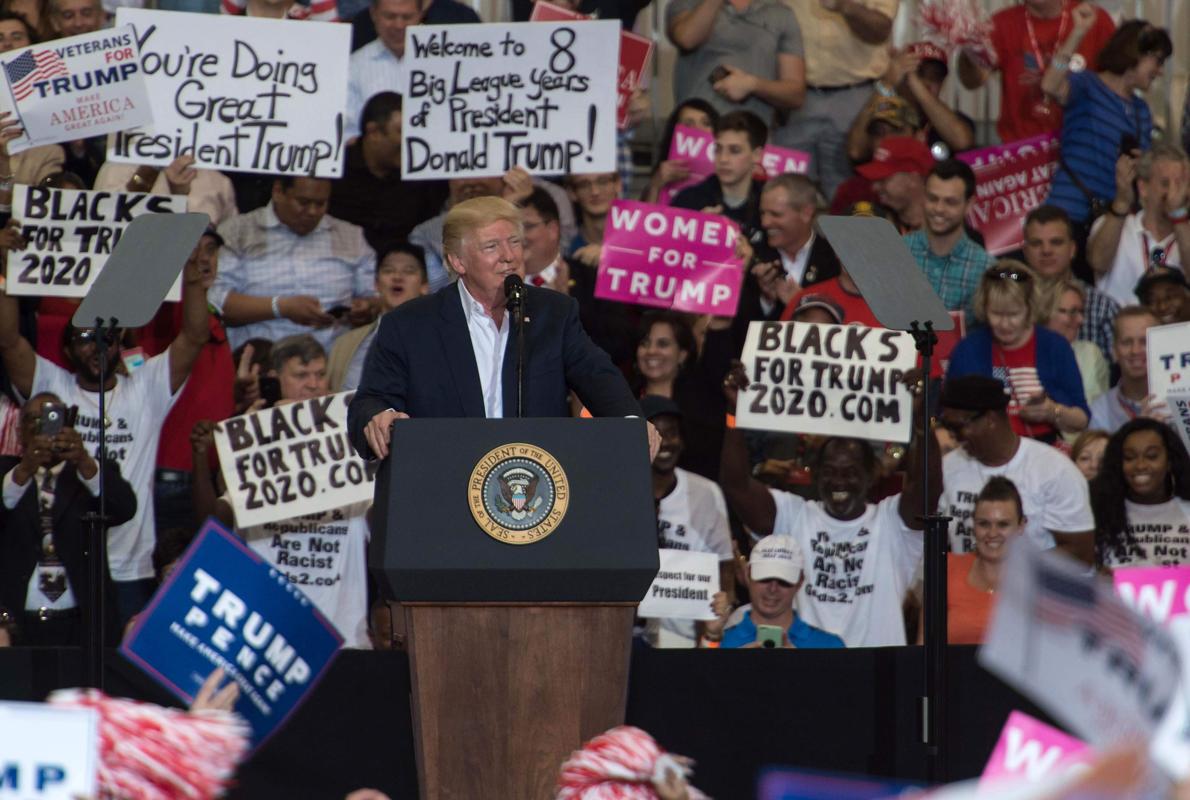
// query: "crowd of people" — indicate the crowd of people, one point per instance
point(1046, 425)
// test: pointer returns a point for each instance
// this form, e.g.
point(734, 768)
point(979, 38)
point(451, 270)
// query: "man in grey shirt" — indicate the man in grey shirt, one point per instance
point(738, 55)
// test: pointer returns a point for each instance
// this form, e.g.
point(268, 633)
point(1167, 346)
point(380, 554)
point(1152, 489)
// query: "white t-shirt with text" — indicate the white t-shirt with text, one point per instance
point(1053, 492)
point(136, 407)
point(692, 517)
point(1160, 535)
point(324, 555)
point(857, 571)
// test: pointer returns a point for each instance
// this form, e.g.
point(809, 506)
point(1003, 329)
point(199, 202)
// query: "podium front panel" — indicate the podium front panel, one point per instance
point(427, 545)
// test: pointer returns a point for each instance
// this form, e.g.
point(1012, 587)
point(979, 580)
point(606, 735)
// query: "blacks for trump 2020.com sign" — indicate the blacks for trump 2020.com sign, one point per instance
point(842, 380)
point(223, 606)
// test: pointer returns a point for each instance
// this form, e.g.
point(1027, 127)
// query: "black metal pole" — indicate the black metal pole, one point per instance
point(933, 703)
point(520, 355)
point(97, 527)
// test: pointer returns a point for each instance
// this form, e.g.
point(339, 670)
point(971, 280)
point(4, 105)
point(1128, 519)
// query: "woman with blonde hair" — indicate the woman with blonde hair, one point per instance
point(1037, 366)
point(1064, 314)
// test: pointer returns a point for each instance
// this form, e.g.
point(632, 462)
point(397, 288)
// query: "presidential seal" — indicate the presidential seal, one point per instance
point(518, 493)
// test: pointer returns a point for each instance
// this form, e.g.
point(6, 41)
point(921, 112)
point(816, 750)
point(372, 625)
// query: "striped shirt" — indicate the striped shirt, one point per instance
point(262, 257)
point(317, 10)
point(374, 69)
point(954, 276)
point(1094, 125)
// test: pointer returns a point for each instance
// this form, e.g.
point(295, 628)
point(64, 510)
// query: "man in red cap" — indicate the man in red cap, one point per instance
point(898, 172)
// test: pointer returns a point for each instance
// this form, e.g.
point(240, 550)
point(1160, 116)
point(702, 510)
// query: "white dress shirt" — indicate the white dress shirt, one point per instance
point(374, 69)
point(794, 268)
point(488, 341)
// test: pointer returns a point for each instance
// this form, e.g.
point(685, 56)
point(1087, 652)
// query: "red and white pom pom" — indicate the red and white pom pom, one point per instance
point(959, 23)
point(147, 752)
point(617, 765)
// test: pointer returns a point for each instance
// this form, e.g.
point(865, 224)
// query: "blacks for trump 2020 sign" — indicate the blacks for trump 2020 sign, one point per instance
point(223, 606)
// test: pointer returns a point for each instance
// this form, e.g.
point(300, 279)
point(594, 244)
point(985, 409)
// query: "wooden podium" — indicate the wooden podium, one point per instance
point(519, 630)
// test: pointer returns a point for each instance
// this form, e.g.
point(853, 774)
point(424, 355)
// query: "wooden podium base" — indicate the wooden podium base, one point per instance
point(502, 694)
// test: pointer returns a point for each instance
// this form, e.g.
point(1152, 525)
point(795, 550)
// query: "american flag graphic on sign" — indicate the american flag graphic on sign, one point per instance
point(30, 67)
point(1064, 599)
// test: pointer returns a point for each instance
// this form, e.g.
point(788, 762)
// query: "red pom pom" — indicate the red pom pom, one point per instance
point(147, 752)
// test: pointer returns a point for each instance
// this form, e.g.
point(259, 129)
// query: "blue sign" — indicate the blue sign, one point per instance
point(797, 784)
point(223, 606)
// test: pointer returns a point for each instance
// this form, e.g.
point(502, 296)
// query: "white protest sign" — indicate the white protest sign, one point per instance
point(1065, 640)
point(75, 88)
point(71, 235)
point(683, 587)
point(1178, 401)
point(833, 379)
point(239, 93)
point(47, 753)
point(1168, 350)
point(482, 99)
point(291, 460)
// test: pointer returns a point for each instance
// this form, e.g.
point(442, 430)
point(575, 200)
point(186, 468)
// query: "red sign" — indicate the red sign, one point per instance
point(1011, 180)
point(635, 52)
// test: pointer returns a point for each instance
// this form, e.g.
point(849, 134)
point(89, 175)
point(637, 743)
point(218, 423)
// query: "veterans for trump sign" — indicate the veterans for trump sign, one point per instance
point(75, 88)
point(239, 93)
point(482, 99)
point(224, 607)
point(834, 379)
point(290, 460)
point(71, 234)
point(670, 258)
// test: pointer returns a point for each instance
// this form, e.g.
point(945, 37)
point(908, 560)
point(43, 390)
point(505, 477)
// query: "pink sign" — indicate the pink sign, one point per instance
point(635, 52)
point(1030, 751)
point(697, 150)
point(1159, 593)
point(670, 258)
point(1011, 180)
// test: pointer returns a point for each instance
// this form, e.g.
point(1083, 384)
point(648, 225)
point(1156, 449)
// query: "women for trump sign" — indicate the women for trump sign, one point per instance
point(670, 258)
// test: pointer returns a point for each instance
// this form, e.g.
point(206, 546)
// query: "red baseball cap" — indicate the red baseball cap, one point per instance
point(928, 51)
point(897, 154)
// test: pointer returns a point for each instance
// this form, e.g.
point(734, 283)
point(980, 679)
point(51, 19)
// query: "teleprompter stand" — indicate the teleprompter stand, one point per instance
point(518, 652)
point(899, 295)
point(127, 293)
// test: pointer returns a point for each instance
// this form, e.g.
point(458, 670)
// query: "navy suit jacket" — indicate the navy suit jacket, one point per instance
point(421, 362)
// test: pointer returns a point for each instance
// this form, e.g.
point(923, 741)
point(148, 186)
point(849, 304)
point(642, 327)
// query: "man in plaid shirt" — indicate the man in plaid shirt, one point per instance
point(952, 261)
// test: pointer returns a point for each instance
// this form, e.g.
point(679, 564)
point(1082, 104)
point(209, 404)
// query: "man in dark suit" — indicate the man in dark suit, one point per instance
point(453, 354)
point(46, 492)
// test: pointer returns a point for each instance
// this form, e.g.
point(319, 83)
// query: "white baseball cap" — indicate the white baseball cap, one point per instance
point(776, 556)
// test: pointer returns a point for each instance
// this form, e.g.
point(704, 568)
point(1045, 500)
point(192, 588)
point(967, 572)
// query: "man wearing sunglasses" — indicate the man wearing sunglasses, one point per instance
point(136, 408)
point(1053, 492)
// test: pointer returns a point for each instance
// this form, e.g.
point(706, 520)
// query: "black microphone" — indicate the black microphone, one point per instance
point(514, 293)
point(514, 290)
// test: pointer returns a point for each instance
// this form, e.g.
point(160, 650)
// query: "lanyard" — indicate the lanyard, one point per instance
point(1152, 258)
point(1127, 406)
point(1041, 61)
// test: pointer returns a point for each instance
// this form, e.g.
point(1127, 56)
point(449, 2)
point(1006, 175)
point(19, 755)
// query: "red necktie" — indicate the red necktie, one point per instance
point(537, 280)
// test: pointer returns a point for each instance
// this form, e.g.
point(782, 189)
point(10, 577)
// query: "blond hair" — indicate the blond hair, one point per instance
point(992, 287)
point(1051, 297)
point(467, 217)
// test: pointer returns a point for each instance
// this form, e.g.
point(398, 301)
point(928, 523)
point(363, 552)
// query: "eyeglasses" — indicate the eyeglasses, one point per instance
point(956, 425)
point(1008, 274)
point(88, 336)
